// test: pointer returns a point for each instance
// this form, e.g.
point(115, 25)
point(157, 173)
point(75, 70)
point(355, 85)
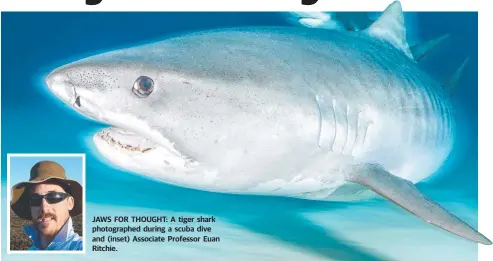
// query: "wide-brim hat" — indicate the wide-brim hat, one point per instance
point(44, 171)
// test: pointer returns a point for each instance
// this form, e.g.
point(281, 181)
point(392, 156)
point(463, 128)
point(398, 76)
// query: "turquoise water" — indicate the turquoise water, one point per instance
point(250, 227)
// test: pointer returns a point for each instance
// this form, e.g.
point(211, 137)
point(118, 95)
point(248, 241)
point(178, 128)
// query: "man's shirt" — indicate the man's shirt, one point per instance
point(66, 239)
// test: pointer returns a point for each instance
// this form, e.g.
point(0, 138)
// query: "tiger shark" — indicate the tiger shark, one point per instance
point(281, 111)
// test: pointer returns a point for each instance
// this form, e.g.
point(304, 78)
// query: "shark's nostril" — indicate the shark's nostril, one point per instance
point(77, 101)
point(77, 98)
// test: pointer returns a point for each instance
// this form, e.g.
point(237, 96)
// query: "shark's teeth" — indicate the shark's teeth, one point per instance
point(105, 135)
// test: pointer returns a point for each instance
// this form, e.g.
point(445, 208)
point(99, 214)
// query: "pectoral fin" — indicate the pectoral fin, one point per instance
point(406, 195)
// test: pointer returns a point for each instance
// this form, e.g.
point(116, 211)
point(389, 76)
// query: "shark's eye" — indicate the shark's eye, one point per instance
point(143, 86)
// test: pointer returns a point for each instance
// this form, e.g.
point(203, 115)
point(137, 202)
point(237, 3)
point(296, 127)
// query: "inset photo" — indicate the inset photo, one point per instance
point(47, 202)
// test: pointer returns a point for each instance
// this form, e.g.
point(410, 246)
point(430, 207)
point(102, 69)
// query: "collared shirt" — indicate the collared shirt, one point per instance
point(66, 239)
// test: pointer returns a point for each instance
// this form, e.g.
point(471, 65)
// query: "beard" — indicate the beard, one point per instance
point(46, 224)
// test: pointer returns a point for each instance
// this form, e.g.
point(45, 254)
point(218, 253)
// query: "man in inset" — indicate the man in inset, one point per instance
point(49, 200)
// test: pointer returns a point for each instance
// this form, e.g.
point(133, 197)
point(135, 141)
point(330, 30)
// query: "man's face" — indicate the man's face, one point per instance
point(49, 218)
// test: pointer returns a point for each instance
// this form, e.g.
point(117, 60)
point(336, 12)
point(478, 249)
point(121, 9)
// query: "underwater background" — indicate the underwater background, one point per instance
point(250, 227)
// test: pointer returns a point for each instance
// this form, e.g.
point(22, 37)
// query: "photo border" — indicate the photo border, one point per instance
point(48, 252)
point(485, 17)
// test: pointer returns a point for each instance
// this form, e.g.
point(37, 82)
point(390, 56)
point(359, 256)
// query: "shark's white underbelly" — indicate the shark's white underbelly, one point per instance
point(403, 126)
point(346, 138)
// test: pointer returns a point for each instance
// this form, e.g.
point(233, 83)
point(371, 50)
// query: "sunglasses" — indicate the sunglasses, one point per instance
point(52, 198)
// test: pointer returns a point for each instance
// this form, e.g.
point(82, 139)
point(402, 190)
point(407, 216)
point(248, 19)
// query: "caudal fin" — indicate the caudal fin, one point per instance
point(403, 193)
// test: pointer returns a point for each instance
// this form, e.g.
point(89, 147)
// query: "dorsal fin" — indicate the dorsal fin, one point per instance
point(389, 27)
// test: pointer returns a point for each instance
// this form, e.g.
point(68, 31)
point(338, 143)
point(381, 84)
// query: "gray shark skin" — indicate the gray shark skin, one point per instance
point(279, 111)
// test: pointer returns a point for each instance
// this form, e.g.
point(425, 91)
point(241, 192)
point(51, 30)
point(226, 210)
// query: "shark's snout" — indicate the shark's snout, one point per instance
point(60, 85)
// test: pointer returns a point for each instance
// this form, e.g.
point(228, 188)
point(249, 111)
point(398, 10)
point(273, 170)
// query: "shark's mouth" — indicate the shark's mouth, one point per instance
point(125, 140)
point(132, 152)
point(126, 148)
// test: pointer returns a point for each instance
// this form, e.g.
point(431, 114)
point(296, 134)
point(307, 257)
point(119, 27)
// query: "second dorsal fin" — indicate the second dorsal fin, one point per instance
point(390, 27)
point(420, 50)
